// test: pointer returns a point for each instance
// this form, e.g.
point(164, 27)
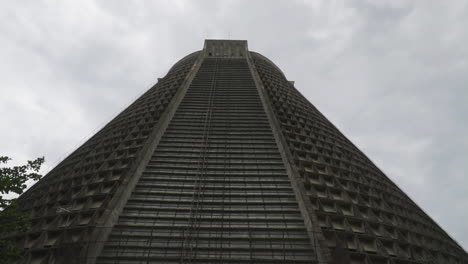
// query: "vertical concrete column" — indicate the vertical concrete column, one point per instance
point(111, 214)
point(310, 219)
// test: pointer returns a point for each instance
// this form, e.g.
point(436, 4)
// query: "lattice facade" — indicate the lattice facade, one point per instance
point(363, 215)
point(71, 202)
point(224, 161)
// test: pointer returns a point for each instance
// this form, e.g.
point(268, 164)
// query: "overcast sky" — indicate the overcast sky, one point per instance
point(391, 75)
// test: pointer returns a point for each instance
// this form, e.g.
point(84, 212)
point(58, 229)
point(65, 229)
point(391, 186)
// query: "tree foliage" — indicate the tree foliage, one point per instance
point(13, 180)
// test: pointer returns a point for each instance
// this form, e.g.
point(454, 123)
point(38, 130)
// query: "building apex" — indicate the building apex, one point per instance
point(225, 48)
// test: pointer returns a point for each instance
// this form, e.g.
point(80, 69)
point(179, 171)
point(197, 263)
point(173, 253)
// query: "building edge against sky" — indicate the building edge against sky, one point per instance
point(223, 160)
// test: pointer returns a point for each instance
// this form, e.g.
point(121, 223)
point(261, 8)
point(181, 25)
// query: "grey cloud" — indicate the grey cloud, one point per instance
point(390, 74)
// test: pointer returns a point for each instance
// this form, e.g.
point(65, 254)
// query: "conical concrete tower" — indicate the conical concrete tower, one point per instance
point(224, 161)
